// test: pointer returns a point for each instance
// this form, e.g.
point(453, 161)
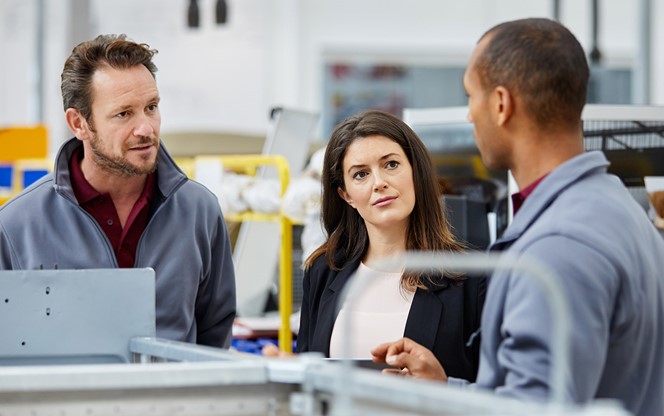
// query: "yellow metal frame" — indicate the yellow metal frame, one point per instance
point(18, 168)
point(249, 164)
point(5, 196)
point(23, 165)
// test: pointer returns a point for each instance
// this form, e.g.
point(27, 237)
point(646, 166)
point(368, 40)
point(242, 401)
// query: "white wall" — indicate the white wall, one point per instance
point(210, 78)
point(16, 80)
point(272, 51)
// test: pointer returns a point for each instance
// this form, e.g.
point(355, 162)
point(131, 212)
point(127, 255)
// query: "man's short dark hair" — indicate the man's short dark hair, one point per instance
point(87, 57)
point(542, 62)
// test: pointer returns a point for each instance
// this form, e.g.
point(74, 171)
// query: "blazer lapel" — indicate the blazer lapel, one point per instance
point(327, 312)
point(425, 314)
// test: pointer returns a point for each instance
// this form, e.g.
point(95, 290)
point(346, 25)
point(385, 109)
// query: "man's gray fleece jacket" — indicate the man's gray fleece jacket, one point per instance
point(185, 241)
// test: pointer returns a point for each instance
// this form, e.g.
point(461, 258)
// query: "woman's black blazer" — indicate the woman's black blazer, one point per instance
point(445, 318)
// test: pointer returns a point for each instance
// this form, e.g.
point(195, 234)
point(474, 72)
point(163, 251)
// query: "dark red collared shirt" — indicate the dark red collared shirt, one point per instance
point(520, 197)
point(101, 207)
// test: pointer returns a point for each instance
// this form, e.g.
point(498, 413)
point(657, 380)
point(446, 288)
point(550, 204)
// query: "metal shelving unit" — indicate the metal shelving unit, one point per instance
point(249, 165)
point(631, 136)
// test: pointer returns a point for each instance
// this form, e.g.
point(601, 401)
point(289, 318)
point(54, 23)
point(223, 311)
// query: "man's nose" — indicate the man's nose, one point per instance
point(144, 127)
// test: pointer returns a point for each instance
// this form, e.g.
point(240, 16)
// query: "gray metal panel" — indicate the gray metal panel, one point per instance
point(74, 316)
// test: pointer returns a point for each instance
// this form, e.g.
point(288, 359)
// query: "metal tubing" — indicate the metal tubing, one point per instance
point(480, 262)
point(641, 73)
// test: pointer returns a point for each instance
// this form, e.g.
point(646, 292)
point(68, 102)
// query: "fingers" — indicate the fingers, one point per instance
point(271, 350)
point(402, 360)
point(403, 372)
point(404, 345)
point(395, 371)
point(380, 352)
point(411, 359)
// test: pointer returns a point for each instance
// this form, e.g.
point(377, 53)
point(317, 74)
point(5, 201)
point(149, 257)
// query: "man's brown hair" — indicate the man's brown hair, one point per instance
point(87, 57)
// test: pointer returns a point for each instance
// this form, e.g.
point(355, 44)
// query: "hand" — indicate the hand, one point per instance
point(271, 350)
point(411, 358)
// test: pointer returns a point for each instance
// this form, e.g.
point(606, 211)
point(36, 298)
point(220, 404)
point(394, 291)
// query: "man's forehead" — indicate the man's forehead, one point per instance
point(107, 73)
point(479, 49)
point(140, 82)
point(476, 54)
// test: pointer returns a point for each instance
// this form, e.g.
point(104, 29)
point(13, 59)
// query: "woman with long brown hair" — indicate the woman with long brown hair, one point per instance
point(380, 199)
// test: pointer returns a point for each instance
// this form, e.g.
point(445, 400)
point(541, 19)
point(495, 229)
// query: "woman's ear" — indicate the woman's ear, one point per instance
point(77, 124)
point(344, 195)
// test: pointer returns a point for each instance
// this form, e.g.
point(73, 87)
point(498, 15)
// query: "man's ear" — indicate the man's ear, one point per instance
point(504, 105)
point(77, 124)
point(344, 195)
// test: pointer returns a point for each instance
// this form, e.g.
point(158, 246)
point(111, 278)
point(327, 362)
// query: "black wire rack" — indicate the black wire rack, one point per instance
point(623, 135)
point(634, 148)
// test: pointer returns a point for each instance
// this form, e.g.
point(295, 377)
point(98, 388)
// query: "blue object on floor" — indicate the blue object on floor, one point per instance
point(254, 346)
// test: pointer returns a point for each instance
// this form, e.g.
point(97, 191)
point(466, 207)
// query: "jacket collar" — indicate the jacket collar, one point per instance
point(425, 313)
point(169, 177)
point(348, 269)
point(568, 173)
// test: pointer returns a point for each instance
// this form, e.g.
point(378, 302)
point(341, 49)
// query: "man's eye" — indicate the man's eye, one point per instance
point(123, 114)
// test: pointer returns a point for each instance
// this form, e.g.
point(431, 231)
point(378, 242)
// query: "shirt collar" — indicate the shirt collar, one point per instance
point(85, 192)
point(82, 189)
point(520, 197)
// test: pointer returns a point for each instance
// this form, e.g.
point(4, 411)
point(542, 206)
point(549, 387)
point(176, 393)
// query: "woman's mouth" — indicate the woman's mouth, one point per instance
point(384, 201)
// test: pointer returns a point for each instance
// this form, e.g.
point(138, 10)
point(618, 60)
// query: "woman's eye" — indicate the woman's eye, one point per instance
point(392, 164)
point(123, 114)
point(359, 175)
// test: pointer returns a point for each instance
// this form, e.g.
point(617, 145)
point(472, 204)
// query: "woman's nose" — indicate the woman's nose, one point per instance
point(379, 181)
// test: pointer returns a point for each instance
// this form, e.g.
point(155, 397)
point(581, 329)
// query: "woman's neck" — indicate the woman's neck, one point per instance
point(383, 245)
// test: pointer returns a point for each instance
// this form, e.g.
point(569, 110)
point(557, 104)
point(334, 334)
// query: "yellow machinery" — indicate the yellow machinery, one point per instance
point(18, 143)
point(249, 164)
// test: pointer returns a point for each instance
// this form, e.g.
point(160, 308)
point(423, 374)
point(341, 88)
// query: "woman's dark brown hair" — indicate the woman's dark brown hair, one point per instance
point(428, 228)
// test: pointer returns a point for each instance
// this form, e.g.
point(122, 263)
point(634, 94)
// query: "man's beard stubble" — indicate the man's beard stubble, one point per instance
point(118, 165)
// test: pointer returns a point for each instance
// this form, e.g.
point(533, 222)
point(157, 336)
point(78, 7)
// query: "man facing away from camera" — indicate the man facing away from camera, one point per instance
point(527, 82)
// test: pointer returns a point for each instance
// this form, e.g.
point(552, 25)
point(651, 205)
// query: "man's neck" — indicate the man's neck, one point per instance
point(537, 156)
point(124, 190)
point(120, 186)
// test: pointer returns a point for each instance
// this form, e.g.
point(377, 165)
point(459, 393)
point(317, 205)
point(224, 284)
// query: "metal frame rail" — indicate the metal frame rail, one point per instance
point(175, 378)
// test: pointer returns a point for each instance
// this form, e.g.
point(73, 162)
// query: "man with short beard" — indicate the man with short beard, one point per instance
point(117, 199)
